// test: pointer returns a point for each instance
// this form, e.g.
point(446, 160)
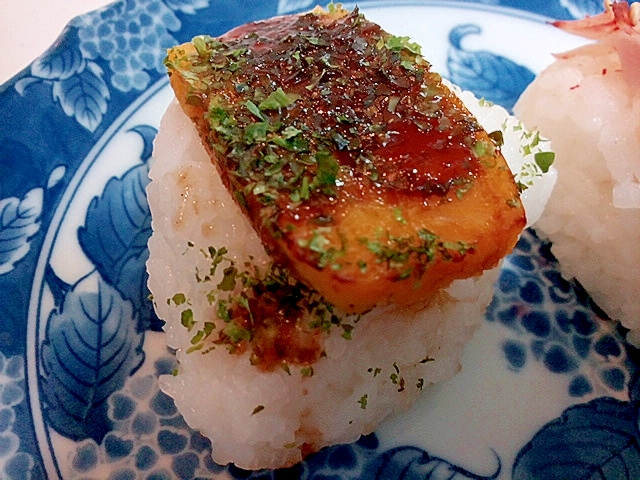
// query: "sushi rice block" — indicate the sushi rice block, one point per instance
point(588, 103)
point(319, 262)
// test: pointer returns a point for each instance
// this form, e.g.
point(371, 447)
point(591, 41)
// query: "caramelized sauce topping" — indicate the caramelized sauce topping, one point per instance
point(428, 162)
point(353, 93)
point(319, 123)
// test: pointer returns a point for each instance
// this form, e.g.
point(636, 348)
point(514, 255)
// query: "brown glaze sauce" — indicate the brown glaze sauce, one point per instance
point(365, 103)
point(362, 119)
point(279, 335)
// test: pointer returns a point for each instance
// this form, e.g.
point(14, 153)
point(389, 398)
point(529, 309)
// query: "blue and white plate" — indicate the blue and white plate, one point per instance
point(548, 390)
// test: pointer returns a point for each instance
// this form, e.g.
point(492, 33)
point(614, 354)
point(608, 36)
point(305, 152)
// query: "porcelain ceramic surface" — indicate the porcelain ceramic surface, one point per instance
point(548, 390)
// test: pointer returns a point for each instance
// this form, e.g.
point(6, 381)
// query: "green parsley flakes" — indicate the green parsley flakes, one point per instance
point(278, 99)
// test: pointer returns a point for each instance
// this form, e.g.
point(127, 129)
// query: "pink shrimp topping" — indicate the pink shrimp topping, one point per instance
point(618, 29)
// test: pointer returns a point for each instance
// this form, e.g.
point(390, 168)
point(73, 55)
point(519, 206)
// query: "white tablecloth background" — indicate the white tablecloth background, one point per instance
point(29, 27)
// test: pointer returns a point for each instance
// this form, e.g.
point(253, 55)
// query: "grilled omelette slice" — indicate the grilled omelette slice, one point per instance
point(363, 174)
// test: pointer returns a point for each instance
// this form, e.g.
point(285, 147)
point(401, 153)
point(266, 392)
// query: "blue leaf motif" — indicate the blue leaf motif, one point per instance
point(56, 175)
point(597, 440)
point(487, 75)
point(148, 134)
point(407, 463)
point(24, 83)
point(91, 347)
point(58, 64)
point(19, 222)
point(83, 96)
point(116, 230)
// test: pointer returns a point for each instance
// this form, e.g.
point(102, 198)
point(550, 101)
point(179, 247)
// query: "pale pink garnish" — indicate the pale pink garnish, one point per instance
point(616, 28)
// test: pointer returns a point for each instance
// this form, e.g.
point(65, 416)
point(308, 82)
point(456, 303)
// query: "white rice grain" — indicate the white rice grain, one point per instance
point(583, 104)
point(262, 419)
